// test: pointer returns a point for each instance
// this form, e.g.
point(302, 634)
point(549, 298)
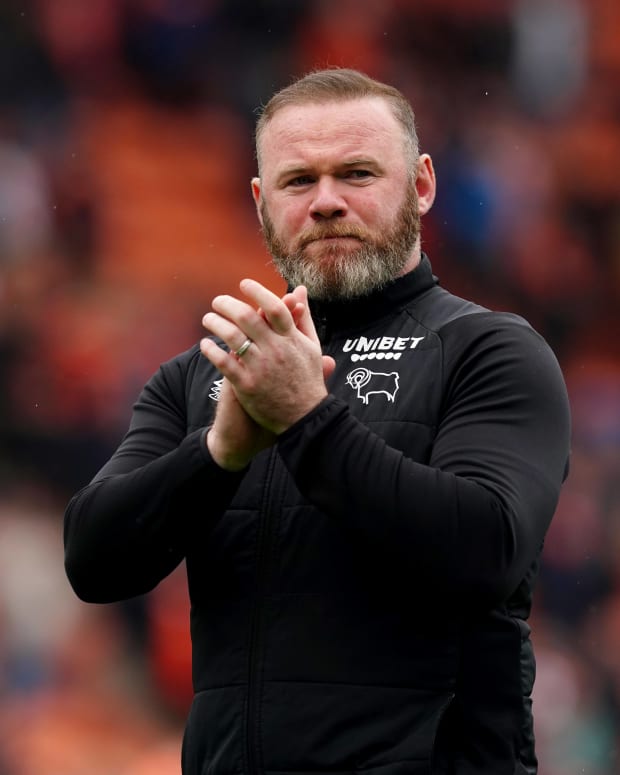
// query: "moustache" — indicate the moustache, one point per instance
point(330, 232)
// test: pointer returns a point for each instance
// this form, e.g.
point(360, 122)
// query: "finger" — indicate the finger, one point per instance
point(293, 306)
point(228, 332)
point(297, 313)
point(329, 365)
point(228, 366)
point(290, 301)
point(274, 310)
point(242, 314)
point(304, 322)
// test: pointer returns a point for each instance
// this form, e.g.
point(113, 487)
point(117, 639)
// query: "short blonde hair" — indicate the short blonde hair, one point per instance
point(340, 84)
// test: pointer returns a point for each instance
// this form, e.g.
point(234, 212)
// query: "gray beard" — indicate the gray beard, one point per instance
point(346, 274)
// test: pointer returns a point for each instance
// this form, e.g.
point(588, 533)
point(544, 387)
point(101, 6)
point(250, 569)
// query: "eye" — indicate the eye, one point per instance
point(301, 180)
point(359, 174)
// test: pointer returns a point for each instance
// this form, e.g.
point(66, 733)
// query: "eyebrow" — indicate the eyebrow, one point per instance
point(291, 172)
point(360, 163)
point(288, 172)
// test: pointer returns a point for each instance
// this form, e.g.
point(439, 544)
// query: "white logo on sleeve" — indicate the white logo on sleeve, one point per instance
point(367, 383)
point(216, 389)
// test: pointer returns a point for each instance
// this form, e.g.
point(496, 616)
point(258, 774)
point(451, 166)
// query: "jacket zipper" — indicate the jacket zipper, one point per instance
point(263, 553)
point(271, 492)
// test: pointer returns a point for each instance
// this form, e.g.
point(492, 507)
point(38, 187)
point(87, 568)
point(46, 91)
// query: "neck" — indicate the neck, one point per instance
point(414, 259)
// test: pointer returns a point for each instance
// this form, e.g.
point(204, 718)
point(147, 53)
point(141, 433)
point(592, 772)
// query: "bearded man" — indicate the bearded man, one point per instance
point(362, 511)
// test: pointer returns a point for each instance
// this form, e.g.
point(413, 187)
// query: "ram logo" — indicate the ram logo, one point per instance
point(368, 383)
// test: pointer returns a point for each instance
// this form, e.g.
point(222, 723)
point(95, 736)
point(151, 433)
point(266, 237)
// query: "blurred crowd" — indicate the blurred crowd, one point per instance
point(125, 158)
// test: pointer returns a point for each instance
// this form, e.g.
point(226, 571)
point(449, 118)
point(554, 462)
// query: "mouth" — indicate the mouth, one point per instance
point(331, 237)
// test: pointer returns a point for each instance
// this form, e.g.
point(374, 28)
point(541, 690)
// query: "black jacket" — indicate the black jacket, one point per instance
point(360, 593)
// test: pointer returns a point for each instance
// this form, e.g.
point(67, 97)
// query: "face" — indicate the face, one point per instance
point(340, 196)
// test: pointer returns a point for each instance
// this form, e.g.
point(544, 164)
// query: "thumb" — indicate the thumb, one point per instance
point(329, 365)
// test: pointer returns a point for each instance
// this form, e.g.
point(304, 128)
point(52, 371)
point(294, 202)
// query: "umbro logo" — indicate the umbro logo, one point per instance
point(381, 347)
point(216, 389)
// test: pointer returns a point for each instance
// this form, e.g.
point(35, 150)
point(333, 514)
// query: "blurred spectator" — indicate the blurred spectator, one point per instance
point(575, 720)
point(125, 152)
point(550, 45)
point(25, 207)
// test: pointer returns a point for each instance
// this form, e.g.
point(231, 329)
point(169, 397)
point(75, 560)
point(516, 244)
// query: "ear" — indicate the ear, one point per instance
point(425, 183)
point(256, 194)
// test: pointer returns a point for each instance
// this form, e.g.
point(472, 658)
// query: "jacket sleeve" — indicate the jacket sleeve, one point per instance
point(472, 520)
point(130, 526)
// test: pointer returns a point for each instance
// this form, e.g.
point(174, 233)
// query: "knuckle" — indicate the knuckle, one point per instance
point(279, 316)
point(246, 316)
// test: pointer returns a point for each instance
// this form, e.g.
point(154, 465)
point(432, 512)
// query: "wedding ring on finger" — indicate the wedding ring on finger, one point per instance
point(244, 348)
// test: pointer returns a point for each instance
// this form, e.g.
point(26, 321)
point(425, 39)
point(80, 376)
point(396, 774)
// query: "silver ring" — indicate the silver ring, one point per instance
point(244, 348)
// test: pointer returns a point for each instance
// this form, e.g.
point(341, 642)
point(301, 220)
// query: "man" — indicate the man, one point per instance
point(360, 481)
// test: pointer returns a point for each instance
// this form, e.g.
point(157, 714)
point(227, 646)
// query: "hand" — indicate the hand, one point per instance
point(297, 303)
point(234, 437)
point(281, 376)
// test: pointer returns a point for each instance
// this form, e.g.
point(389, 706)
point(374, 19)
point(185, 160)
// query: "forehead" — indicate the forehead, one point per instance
point(302, 131)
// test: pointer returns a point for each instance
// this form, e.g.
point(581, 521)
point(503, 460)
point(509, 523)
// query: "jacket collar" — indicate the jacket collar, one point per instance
point(349, 313)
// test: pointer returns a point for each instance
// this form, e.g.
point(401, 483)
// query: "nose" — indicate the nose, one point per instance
point(327, 200)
